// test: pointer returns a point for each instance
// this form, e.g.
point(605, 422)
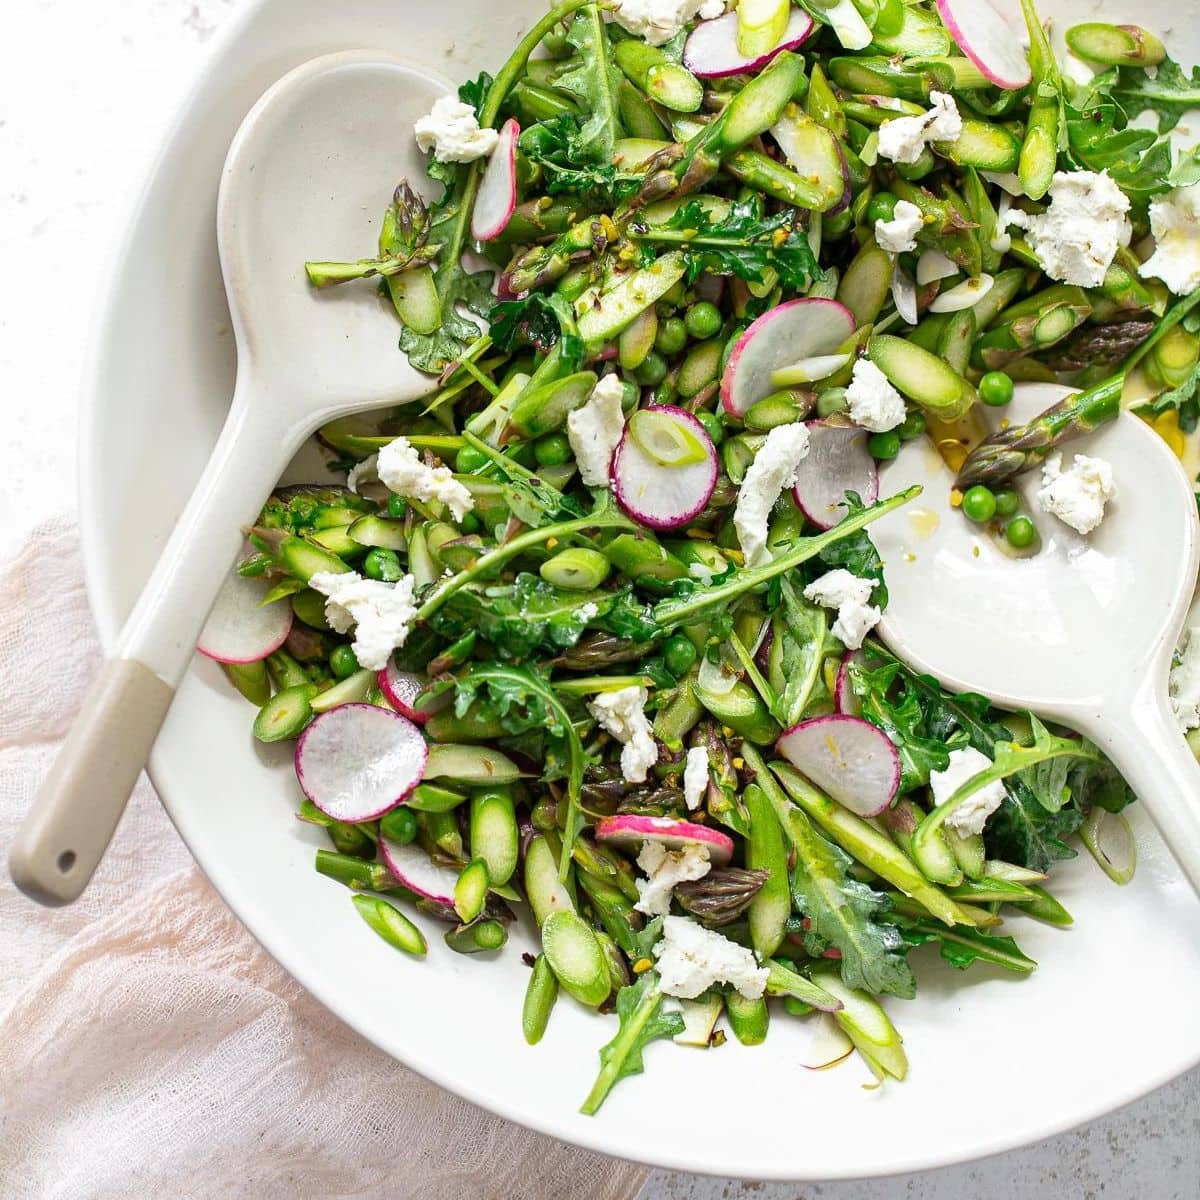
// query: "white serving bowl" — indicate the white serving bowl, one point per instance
point(996, 1062)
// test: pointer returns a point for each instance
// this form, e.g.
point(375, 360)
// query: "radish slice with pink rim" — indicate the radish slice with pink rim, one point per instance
point(846, 757)
point(400, 689)
point(358, 761)
point(711, 51)
point(838, 462)
point(497, 198)
point(658, 496)
point(799, 329)
point(988, 40)
point(630, 832)
point(413, 868)
point(843, 691)
point(240, 629)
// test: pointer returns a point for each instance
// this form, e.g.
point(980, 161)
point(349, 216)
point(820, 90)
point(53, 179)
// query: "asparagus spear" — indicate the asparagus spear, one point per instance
point(1039, 151)
point(1020, 448)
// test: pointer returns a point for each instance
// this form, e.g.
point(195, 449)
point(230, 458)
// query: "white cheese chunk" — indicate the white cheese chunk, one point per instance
point(695, 777)
point(363, 472)
point(691, 959)
point(903, 139)
point(451, 130)
point(658, 21)
point(1175, 223)
point(899, 235)
point(851, 596)
point(402, 471)
point(970, 816)
point(664, 869)
point(1078, 236)
point(1078, 495)
point(773, 469)
point(623, 714)
point(1185, 683)
point(381, 614)
point(595, 430)
point(874, 403)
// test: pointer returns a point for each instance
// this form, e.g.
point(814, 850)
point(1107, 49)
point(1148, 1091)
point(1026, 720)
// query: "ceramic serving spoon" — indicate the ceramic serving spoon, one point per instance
point(305, 168)
point(1082, 632)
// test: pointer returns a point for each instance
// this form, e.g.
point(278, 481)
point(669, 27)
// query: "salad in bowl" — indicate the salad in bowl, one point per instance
point(586, 638)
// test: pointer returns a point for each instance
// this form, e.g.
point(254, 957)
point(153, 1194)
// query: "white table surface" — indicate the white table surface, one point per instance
point(85, 91)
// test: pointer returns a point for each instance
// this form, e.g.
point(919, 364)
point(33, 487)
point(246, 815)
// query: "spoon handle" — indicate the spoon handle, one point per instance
point(1146, 745)
point(80, 802)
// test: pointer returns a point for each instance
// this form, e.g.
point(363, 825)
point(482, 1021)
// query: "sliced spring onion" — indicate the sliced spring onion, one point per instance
point(965, 295)
point(809, 370)
point(1110, 842)
point(933, 266)
point(668, 441)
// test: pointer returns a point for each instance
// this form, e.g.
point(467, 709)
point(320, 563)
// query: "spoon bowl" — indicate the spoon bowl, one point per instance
point(302, 179)
point(1084, 630)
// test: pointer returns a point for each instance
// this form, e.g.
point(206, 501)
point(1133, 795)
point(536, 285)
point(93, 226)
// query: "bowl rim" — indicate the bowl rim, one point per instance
point(104, 611)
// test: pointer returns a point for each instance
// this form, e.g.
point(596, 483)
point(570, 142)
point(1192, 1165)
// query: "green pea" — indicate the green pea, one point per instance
point(832, 400)
point(343, 663)
point(882, 207)
point(1008, 504)
point(469, 460)
point(652, 371)
point(702, 320)
point(552, 450)
point(470, 523)
point(713, 426)
point(1021, 533)
point(996, 389)
point(671, 337)
point(577, 569)
point(884, 446)
point(679, 654)
point(400, 825)
point(912, 427)
point(979, 504)
point(383, 565)
point(397, 506)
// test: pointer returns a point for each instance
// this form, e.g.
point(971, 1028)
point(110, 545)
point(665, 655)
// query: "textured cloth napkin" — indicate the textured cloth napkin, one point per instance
point(148, 1044)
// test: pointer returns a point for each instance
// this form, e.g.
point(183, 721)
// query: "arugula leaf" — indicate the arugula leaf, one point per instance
point(593, 82)
point(1185, 399)
point(541, 321)
point(555, 146)
point(642, 1021)
point(742, 242)
point(803, 629)
point(961, 945)
point(475, 91)
point(857, 554)
point(1170, 94)
point(844, 912)
point(1022, 831)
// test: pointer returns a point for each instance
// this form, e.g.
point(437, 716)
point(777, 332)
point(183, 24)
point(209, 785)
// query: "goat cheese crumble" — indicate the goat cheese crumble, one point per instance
point(401, 471)
point(623, 714)
point(1078, 495)
point(1185, 683)
point(381, 614)
point(851, 596)
point(874, 403)
point(899, 235)
point(658, 21)
point(1078, 236)
point(664, 869)
point(691, 959)
point(773, 469)
point(971, 815)
point(451, 130)
point(903, 139)
point(1175, 223)
point(695, 777)
point(595, 430)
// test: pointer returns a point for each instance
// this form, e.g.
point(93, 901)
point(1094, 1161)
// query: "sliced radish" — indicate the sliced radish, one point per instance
point(847, 757)
point(828, 1043)
point(240, 629)
point(630, 832)
point(497, 198)
point(838, 462)
point(418, 872)
point(711, 51)
point(358, 761)
point(843, 691)
point(663, 497)
point(816, 154)
point(799, 329)
point(988, 40)
point(401, 689)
